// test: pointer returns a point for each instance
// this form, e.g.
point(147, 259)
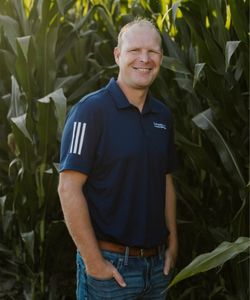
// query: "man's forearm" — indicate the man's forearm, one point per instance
point(77, 218)
point(79, 225)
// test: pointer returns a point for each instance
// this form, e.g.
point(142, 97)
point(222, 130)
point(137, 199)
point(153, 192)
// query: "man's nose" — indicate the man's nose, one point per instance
point(144, 56)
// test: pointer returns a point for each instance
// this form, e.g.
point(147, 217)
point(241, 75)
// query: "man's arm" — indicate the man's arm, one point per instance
point(77, 218)
point(170, 213)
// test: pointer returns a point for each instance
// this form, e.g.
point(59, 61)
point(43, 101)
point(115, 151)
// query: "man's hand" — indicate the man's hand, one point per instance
point(170, 260)
point(105, 271)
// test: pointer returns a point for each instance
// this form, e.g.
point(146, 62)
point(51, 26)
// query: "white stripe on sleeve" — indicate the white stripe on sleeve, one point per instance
point(82, 138)
point(73, 137)
point(77, 138)
point(79, 124)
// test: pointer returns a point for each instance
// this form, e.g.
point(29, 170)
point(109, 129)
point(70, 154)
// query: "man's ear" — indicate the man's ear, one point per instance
point(117, 55)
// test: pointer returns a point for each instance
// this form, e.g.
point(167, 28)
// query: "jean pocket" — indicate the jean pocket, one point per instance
point(81, 293)
point(103, 288)
point(115, 259)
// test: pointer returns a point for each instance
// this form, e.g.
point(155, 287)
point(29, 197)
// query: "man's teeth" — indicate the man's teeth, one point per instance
point(143, 69)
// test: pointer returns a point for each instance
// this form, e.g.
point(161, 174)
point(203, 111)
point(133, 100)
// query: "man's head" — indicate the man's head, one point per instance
point(138, 54)
point(140, 22)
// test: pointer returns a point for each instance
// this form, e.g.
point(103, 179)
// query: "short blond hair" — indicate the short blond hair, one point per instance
point(137, 21)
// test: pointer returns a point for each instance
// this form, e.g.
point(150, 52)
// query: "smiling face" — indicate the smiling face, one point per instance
point(138, 56)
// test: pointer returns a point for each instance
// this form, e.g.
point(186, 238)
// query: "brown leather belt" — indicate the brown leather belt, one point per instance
point(132, 251)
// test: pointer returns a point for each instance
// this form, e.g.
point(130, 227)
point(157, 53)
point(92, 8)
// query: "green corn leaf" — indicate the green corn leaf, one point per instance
point(85, 87)
point(175, 65)
point(46, 128)
point(49, 59)
point(239, 18)
point(24, 146)
point(11, 30)
point(205, 122)
point(107, 20)
point(51, 116)
point(16, 106)
point(61, 6)
point(197, 33)
point(215, 14)
point(60, 106)
point(172, 47)
point(185, 84)
point(198, 71)
point(231, 47)
point(215, 52)
point(103, 52)
point(175, 7)
point(29, 241)
point(9, 60)
point(24, 43)
point(2, 203)
point(56, 167)
point(202, 263)
point(66, 82)
point(46, 40)
point(196, 153)
point(23, 66)
point(20, 123)
point(7, 219)
point(22, 19)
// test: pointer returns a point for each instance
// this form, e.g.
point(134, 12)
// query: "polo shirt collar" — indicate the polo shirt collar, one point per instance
point(122, 102)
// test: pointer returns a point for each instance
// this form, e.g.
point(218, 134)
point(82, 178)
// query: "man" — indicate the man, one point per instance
point(115, 186)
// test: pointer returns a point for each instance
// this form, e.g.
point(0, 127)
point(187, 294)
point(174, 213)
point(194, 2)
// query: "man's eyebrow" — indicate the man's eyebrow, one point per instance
point(155, 49)
point(133, 48)
point(138, 48)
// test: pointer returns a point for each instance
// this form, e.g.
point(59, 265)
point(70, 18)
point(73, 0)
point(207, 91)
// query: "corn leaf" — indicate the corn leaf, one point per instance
point(9, 60)
point(24, 43)
point(7, 220)
point(205, 122)
point(20, 123)
point(202, 263)
point(175, 65)
point(60, 106)
point(231, 47)
point(29, 241)
point(11, 30)
point(239, 18)
point(46, 128)
point(16, 105)
point(198, 71)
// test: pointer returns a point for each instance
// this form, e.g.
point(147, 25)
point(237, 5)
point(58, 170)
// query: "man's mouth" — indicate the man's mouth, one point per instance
point(142, 69)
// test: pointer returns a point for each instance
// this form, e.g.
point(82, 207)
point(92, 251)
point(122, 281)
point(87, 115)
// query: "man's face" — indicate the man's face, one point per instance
point(138, 57)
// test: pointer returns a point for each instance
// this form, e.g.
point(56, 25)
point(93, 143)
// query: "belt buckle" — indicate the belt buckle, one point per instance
point(142, 252)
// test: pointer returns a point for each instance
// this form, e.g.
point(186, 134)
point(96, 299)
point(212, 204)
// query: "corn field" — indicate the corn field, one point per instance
point(53, 52)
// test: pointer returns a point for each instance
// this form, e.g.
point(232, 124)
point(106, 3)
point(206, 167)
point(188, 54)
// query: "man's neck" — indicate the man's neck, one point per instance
point(136, 97)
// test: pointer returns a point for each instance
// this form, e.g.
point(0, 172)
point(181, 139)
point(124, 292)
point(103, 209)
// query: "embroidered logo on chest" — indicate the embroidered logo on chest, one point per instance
point(159, 125)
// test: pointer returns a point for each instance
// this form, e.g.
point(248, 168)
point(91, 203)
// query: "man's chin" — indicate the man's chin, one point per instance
point(143, 84)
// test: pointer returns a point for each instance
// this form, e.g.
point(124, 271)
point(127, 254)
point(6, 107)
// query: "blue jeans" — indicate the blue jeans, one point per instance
point(144, 278)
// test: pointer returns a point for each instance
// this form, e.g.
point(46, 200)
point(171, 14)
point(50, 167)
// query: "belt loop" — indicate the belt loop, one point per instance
point(126, 256)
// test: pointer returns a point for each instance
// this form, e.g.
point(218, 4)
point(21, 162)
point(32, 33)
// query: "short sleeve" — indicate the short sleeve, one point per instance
point(172, 161)
point(80, 138)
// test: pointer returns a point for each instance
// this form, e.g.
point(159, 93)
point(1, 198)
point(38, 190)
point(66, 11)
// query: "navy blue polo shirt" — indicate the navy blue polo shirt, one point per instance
point(126, 155)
